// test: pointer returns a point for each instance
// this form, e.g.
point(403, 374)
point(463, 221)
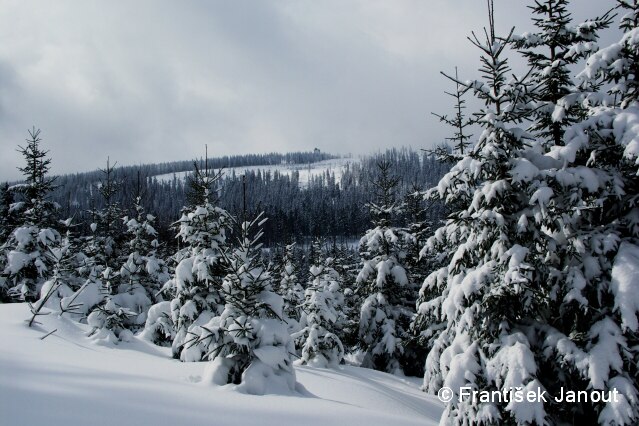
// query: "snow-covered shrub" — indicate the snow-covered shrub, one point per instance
point(159, 327)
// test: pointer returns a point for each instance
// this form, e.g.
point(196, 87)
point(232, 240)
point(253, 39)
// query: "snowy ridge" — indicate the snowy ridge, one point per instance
point(67, 379)
point(306, 171)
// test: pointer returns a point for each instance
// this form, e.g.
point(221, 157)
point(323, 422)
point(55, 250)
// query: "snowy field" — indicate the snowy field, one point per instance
point(306, 171)
point(66, 379)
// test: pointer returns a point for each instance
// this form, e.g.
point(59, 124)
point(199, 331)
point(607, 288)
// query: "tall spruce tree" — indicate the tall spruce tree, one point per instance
point(591, 334)
point(36, 207)
point(483, 304)
point(27, 265)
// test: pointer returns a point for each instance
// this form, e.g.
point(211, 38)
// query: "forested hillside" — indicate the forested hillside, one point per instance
point(324, 206)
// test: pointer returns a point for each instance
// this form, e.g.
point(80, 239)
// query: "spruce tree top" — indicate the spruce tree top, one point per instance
point(385, 205)
point(550, 52)
point(37, 185)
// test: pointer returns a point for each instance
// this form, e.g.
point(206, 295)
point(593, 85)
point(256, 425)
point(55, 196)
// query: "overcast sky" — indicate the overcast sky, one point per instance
point(154, 81)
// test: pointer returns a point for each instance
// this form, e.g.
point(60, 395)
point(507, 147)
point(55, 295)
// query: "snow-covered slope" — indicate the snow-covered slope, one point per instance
point(67, 379)
point(306, 171)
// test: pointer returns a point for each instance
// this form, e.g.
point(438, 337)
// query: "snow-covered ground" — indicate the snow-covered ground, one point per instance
point(335, 166)
point(67, 379)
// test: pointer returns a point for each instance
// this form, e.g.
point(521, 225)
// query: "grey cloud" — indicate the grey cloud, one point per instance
point(152, 81)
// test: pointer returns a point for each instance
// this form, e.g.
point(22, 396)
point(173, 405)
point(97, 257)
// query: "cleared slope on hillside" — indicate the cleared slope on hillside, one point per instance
point(305, 171)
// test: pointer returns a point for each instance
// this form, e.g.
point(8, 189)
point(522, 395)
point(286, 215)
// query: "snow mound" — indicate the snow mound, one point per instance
point(67, 379)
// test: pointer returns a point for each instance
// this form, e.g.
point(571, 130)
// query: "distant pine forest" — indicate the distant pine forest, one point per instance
point(331, 204)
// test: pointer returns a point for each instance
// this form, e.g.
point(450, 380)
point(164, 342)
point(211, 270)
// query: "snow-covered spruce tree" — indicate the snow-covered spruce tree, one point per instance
point(35, 206)
point(91, 261)
point(487, 299)
point(290, 289)
point(197, 282)
point(420, 221)
point(382, 281)
point(109, 218)
point(423, 325)
point(64, 279)
point(420, 227)
point(617, 64)
point(6, 217)
point(142, 272)
point(346, 263)
point(27, 266)
point(552, 51)
point(102, 246)
point(6, 226)
point(591, 335)
point(322, 316)
point(249, 343)
point(109, 318)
